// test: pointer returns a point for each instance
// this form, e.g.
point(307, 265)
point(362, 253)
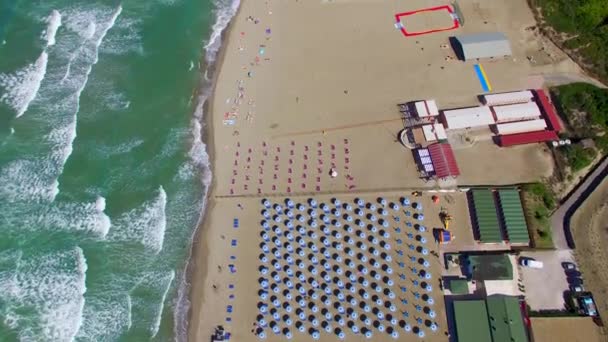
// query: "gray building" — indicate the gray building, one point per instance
point(482, 45)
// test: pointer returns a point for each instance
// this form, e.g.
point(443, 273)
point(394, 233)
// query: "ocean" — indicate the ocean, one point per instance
point(103, 166)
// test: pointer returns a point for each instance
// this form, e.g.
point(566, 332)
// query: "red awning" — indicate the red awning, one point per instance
point(527, 138)
point(443, 160)
point(548, 110)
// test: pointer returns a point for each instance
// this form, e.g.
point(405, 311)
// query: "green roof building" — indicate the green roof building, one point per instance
point(486, 217)
point(513, 218)
point(497, 319)
point(472, 321)
point(506, 322)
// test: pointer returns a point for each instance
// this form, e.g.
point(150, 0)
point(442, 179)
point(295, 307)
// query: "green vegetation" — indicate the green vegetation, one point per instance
point(578, 157)
point(585, 24)
point(585, 109)
point(538, 202)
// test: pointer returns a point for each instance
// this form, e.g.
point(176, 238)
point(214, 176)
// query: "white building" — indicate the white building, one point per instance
point(516, 112)
point(508, 98)
point(468, 117)
point(521, 126)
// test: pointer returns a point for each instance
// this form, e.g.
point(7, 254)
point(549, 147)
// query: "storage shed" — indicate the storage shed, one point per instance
point(516, 112)
point(508, 98)
point(485, 216)
point(513, 218)
point(483, 45)
point(521, 126)
point(468, 117)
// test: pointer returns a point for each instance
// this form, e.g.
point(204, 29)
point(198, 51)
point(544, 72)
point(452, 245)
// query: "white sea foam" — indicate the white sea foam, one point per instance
point(36, 179)
point(22, 180)
point(105, 317)
point(53, 24)
point(21, 87)
point(77, 217)
point(225, 11)
point(145, 224)
point(51, 286)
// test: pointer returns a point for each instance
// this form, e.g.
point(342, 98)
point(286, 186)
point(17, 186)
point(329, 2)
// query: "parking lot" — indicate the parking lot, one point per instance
point(545, 288)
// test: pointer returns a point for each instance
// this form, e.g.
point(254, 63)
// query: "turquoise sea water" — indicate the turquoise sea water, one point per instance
point(103, 171)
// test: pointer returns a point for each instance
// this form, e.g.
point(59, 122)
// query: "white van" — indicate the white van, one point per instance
point(531, 263)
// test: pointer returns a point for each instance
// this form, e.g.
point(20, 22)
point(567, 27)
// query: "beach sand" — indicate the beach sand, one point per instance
point(309, 87)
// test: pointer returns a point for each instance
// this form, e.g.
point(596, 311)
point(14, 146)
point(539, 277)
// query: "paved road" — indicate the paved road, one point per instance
point(560, 220)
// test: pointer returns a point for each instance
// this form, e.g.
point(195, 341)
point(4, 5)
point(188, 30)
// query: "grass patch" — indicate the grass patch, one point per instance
point(538, 202)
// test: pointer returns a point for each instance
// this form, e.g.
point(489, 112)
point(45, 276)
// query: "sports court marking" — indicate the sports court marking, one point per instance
point(483, 78)
point(399, 24)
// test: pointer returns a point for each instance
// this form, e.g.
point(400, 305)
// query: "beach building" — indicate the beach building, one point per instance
point(511, 97)
point(483, 45)
point(426, 108)
point(521, 126)
point(444, 161)
point(526, 138)
point(471, 317)
point(471, 117)
point(498, 318)
point(548, 110)
point(512, 216)
point(434, 132)
point(516, 112)
point(485, 216)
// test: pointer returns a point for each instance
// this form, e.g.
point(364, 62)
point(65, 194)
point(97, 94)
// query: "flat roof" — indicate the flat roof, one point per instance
point(518, 111)
point(472, 321)
point(484, 45)
point(468, 117)
point(508, 98)
point(429, 133)
point(459, 286)
point(440, 131)
point(426, 108)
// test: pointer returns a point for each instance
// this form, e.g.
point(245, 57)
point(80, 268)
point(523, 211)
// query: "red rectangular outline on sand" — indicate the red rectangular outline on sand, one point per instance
point(438, 8)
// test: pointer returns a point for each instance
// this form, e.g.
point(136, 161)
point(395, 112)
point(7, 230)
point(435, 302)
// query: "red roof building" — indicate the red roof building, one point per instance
point(443, 160)
point(548, 110)
point(527, 138)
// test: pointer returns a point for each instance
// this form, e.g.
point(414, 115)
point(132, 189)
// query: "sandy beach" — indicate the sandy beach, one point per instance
point(309, 87)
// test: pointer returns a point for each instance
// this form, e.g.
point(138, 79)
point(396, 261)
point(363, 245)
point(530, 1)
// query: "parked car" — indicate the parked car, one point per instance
point(575, 281)
point(529, 262)
point(573, 274)
point(576, 288)
point(568, 266)
point(588, 306)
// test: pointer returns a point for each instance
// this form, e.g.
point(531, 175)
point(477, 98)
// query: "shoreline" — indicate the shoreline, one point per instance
point(197, 268)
